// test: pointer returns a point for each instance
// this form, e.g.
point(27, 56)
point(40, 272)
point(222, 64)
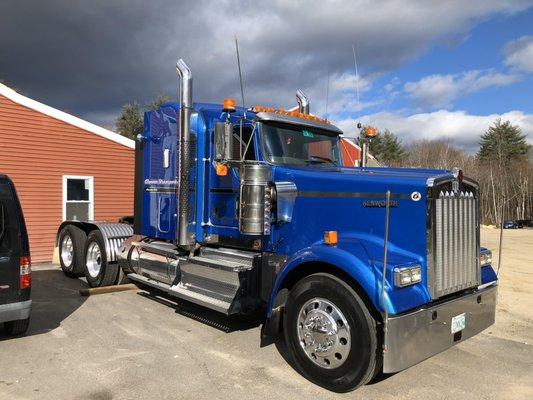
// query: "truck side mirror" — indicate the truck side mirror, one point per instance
point(223, 141)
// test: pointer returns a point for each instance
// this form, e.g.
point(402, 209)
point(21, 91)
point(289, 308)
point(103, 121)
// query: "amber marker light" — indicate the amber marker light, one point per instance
point(331, 238)
point(370, 132)
point(229, 105)
point(295, 114)
point(221, 169)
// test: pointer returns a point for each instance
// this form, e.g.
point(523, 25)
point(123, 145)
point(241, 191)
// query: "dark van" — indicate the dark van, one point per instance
point(15, 262)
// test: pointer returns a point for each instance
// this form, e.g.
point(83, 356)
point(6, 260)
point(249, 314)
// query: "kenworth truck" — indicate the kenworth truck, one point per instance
point(249, 211)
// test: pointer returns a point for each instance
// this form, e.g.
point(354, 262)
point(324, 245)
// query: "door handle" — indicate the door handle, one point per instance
point(4, 287)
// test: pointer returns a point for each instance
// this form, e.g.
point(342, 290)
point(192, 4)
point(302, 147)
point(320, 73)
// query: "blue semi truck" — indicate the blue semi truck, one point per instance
point(250, 211)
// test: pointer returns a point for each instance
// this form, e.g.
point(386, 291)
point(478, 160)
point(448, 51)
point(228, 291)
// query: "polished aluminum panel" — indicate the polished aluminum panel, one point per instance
point(285, 197)
point(414, 337)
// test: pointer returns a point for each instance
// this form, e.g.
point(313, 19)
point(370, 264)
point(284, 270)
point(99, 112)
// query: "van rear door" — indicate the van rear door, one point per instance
point(10, 244)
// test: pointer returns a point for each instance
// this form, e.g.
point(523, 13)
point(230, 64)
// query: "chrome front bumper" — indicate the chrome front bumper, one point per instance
point(414, 337)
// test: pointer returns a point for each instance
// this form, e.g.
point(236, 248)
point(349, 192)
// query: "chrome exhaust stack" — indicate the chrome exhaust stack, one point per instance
point(184, 152)
point(303, 102)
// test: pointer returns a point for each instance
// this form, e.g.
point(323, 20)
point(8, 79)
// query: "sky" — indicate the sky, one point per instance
point(426, 69)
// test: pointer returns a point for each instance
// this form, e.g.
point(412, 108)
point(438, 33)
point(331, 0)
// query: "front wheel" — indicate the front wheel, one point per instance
point(98, 271)
point(330, 333)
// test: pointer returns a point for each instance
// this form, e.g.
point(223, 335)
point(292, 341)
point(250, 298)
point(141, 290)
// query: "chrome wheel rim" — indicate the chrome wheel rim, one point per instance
point(94, 259)
point(67, 251)
point(323, 333)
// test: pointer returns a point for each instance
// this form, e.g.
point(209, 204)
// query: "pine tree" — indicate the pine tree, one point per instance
point(387, 148)
point(503, 143)
point(130, 122)
point(159, 101)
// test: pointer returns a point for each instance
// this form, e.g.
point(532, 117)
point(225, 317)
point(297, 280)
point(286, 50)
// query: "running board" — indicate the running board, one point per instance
point(227, 281)
point(191, 296)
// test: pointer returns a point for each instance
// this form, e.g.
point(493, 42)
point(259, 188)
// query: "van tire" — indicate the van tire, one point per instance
point(359, 332)
point(78, 238)
point(17, 327)
point(106, 274)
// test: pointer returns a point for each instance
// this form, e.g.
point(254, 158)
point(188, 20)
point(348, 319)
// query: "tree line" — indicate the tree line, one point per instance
point(502, 166)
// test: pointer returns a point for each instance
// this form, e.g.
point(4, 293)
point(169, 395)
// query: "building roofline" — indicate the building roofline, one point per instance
point(63, 116)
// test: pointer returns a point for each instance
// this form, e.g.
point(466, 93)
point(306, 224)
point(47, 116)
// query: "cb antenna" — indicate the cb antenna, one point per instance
point(356, 77)
point(327, 96)
point(240, 72)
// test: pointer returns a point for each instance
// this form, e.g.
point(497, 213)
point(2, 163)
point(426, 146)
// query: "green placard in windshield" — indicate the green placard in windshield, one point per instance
point(308, 134)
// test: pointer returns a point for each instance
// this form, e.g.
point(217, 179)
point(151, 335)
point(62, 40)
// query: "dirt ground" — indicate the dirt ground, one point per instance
point(129, 345)
point(514, 318)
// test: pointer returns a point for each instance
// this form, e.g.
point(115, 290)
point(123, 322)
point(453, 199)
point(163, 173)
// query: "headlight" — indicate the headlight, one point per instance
point(485, 257)
point(407, 276)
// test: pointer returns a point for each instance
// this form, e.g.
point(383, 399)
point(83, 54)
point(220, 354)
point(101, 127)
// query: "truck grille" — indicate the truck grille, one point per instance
point(453, 256)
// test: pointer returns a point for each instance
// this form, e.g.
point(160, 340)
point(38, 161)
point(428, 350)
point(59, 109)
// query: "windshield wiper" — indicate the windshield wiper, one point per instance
point(318, 159)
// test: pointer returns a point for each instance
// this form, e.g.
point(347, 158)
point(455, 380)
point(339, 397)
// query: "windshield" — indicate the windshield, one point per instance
point(296, 145)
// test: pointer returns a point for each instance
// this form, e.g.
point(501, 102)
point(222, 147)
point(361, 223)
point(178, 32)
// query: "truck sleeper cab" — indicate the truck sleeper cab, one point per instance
point(365, 270)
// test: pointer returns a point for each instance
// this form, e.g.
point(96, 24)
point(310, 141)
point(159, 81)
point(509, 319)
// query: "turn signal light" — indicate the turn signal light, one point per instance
point(221, 170)
point(25, 272)
point(331, 238)
point(229, 105)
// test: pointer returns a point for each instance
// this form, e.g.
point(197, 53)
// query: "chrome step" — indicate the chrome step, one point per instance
point(186, 293)
point(182, 292)
point(237, 256)
point(149, 282)
point(219, 279)
point(226, 265)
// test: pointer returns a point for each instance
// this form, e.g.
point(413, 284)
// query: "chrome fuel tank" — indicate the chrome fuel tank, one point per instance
point(155, 260)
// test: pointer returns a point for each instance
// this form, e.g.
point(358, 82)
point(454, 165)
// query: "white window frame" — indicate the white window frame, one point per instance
point(91, 194)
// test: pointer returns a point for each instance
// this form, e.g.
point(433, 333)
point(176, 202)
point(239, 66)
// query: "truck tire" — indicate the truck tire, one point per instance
point(98, 271)
point(71, 251)
point(17, 327)
point(331, 336)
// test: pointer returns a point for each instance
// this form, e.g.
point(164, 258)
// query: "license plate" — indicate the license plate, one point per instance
point(458, 323)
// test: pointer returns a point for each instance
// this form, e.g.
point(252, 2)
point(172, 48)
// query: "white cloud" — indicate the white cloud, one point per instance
point(462, 129)
point(519, 54)
point(129, 51)
point(436, 91)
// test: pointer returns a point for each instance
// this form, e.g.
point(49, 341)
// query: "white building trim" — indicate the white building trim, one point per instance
point(63, 116)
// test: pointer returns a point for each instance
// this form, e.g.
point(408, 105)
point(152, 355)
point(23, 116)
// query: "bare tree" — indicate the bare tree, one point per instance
point(505, 180)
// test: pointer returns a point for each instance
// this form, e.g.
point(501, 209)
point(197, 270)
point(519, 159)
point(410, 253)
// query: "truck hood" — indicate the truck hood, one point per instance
point(374, 180)
point(351, 201)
